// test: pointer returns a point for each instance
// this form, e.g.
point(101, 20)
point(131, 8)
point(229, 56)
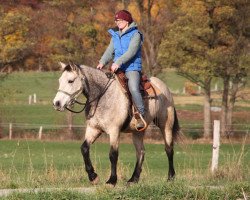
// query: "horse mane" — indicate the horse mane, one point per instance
point(94, 71)
point(86, 69)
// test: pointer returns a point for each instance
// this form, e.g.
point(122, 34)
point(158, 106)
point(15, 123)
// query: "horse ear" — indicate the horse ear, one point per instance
point(74, 67)
point(62, 65)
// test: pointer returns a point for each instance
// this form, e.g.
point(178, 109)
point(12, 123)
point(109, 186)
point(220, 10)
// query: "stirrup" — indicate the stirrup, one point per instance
point(139, 116)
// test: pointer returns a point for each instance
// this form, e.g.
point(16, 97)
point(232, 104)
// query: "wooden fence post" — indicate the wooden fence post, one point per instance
point(34, 100)
point(40, 133)
point(30, 99)
point(10, 131)
point(216, 146)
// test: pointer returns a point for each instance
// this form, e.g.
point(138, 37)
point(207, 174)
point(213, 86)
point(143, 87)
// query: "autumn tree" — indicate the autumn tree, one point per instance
point(15, 44)
point(202, 43)
point(230, 20)
point(187, 47)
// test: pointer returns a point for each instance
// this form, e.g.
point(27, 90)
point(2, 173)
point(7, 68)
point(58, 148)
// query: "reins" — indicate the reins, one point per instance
point(110, 77)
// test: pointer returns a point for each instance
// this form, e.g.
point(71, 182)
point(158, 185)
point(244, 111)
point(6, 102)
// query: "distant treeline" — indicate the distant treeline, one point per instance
point(36, 34)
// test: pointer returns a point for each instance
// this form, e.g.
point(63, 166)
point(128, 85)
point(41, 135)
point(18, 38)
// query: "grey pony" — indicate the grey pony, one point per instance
point(108, 111)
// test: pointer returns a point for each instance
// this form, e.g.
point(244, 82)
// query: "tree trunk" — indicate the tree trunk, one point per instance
point(231, 104)
point(207, 110)
point(224, 106)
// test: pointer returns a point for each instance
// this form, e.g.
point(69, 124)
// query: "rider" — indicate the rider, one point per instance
point(125, 49)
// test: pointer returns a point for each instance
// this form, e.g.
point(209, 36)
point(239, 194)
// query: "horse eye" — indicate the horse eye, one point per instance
point(70, 81)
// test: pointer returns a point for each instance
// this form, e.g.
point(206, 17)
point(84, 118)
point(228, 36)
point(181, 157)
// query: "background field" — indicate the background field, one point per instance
point(42, 164)
point(17, 87)
point(35, 164)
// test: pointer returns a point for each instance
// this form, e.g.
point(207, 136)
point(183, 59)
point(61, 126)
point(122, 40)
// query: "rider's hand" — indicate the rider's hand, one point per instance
point(100, 66)
point(114, 67)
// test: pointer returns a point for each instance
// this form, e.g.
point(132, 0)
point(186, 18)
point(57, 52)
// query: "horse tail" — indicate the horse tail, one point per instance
point(176, 127)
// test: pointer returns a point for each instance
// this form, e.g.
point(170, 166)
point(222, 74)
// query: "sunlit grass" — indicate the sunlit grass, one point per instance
point(59, 164)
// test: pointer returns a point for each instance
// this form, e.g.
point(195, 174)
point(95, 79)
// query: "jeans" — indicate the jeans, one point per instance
point(134, 88)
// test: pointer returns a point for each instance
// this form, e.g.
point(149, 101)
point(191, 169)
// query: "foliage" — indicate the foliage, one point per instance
point(14, 42)
point(207, 40)
point(82, 25)
point(187, 43)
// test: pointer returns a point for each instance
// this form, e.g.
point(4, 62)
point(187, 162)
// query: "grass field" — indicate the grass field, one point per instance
point(43, 164)
point(16, 88)
point(35, 164)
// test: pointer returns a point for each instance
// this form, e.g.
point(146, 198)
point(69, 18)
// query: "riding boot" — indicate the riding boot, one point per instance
point(139, 124)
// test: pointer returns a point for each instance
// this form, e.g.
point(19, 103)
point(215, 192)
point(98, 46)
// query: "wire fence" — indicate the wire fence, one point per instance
point(16, 130)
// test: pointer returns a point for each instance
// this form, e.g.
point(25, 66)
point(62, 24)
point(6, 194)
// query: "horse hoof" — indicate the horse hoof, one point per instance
point(132, 182)
point(95, 181)
point(171, 178)
point(110, 185)
point(112, 180)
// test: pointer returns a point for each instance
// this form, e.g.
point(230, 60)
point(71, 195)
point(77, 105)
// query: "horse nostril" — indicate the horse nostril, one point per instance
point(57, 104)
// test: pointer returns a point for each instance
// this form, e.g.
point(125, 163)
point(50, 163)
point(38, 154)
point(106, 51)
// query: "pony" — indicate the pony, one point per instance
point(107, 110)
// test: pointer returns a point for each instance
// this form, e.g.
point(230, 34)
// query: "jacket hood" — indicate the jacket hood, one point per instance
point(133, 25)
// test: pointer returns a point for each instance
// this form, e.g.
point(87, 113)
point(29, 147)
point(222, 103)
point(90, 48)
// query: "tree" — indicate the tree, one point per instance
point(14, 41)
point(208, 40)
point(230, 21)
point(187, 46)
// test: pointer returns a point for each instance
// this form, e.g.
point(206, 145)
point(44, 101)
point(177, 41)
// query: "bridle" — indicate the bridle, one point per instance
point(73, 100)
point(74, 95)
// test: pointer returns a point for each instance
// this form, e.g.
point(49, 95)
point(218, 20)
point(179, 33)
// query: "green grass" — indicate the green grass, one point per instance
point(16, 88)
point(162, 191)
point(173, 81)
point(22, 84)
point(25, 160)
point(37, 114)
point(42, 164)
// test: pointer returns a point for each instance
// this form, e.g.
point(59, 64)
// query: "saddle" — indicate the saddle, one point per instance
point(146, 87)
point(148, 91)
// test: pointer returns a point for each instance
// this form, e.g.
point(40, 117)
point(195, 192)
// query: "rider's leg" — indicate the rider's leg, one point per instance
point(134, 88)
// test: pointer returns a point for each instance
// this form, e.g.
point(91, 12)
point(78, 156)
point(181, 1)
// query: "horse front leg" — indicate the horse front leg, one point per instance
point(140, 152)
point(113, 157)
point(90, 136)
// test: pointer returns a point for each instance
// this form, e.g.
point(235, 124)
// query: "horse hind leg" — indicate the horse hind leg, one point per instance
point(113, 157)
point(140, 152)
point(90, 136)
point(167, 131)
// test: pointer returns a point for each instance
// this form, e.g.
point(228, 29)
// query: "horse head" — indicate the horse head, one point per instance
point(70, 86)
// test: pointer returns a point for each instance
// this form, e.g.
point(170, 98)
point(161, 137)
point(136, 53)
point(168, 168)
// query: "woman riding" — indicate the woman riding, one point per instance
point(125, 49)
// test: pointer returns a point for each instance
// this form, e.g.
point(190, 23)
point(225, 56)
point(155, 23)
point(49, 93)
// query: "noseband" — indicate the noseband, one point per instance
point(73, 100)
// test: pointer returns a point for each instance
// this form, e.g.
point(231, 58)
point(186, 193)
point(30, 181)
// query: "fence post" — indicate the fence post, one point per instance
point(40, 133)
point(10, 131)
point(216, 145)
point(199, 89)
point(184, 90)
point(30, 99)
point(34, 100)
point(216, 87)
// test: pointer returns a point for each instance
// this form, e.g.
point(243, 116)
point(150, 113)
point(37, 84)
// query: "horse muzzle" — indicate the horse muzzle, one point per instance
point(57, 106)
